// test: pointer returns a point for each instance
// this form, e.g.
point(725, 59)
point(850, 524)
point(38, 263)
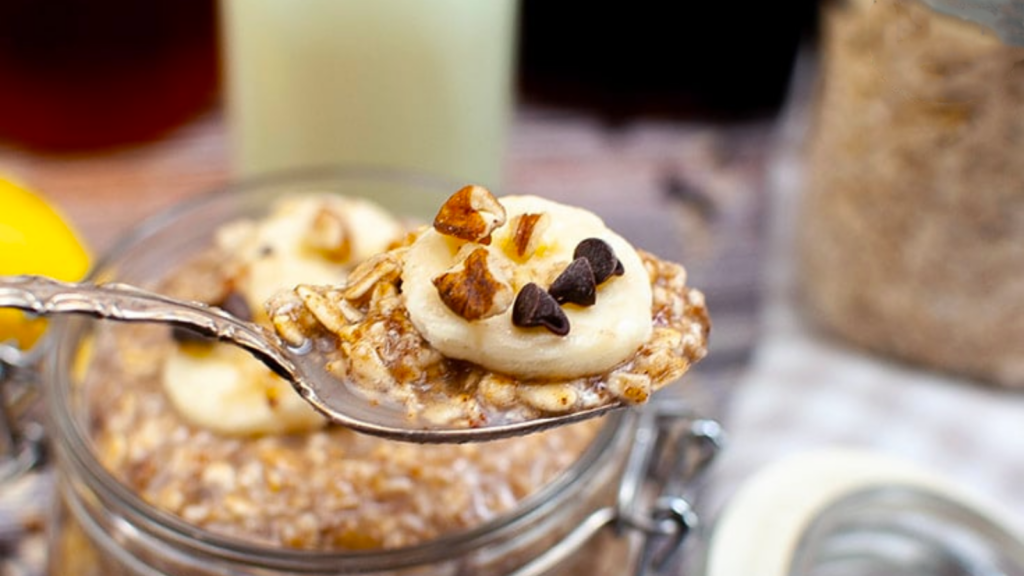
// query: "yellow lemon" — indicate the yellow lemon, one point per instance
point(34, 239)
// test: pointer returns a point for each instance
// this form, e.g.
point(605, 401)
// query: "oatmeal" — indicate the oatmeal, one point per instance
point(328, 488)
point(310, 237)
point(505, 310)
point(208, 434)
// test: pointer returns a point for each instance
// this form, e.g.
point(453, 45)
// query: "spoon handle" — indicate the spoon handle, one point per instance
point(126, 303)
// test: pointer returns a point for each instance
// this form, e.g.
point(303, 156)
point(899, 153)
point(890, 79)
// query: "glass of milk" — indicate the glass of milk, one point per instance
point(411, 84)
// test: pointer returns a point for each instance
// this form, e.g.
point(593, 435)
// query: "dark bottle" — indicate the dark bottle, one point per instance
point(78, 74)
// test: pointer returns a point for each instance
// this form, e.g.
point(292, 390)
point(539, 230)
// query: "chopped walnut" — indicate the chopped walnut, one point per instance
point(528, 229)
point(470, 214)
point(477, 287)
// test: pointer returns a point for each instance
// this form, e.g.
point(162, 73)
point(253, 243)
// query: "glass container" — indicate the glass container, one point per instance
point(395, 83)
point(843, 512)
point(897, 530)
point(620, 507)
point(911, 238)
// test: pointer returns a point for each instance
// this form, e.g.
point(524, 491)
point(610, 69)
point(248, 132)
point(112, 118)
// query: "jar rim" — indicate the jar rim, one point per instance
point(891, 526)
point(71, 435)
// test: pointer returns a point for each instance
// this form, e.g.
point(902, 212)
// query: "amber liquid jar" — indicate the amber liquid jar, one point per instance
point(78, 74)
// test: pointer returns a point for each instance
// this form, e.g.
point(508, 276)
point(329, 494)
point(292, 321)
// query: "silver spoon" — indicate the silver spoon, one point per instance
point(332, 398)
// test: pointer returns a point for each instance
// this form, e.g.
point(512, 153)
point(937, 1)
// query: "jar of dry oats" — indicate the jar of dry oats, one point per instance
point(143, 491)
point(911, 239)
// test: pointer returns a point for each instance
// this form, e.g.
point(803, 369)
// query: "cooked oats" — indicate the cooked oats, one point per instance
point(329, 489)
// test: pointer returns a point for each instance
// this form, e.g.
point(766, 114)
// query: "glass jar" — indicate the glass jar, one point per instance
point(621, 501)
point(386, 83)
point(897, 530)
point(843, 512)
point(912, 233)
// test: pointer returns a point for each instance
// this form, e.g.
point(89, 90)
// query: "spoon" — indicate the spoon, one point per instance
point(328, 395)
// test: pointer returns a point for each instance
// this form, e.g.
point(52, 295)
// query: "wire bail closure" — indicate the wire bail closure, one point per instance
point(672, 447)
point(22, 436)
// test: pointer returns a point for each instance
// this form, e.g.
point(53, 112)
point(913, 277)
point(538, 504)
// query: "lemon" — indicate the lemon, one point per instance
point(34, 239)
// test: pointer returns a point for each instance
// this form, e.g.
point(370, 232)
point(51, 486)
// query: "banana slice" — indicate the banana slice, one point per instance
point(221, 388)
point(306, 239)
point(312, 238)
point(600, 337)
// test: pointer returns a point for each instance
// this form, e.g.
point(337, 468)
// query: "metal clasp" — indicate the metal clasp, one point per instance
point(22, 438)
point(672, 446)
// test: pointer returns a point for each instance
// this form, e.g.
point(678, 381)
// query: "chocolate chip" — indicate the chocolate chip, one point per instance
point(602, 258)
point(576, 284)
point(535, 307)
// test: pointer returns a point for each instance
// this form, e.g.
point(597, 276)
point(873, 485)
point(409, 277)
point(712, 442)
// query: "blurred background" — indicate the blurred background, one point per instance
point(693, 128)
point(88, 86)
point(658, 117)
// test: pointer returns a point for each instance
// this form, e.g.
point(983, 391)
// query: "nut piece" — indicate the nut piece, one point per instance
point(475, 288)
point(329, 234)
point(527, 232)
point(470, 214)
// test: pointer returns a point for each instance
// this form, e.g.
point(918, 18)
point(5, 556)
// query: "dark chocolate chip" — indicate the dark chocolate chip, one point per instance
point(602, 258)
point(576, 284)
point(535, 307)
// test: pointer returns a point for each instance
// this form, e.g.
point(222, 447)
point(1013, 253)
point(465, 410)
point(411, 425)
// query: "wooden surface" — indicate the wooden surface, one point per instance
point(574, 157)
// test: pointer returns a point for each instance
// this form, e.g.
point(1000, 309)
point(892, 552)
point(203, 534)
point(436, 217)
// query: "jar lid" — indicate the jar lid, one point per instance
point(852, 512)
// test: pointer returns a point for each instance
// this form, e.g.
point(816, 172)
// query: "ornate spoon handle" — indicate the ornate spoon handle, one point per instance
point(126, 303)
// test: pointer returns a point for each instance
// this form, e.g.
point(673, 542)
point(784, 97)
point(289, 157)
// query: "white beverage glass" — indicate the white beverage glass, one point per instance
point(411, 84)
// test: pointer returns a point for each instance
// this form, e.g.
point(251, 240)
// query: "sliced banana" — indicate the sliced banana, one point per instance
point(287, 247)
point(306, 239)
point(221, 388)
point(600, 337)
